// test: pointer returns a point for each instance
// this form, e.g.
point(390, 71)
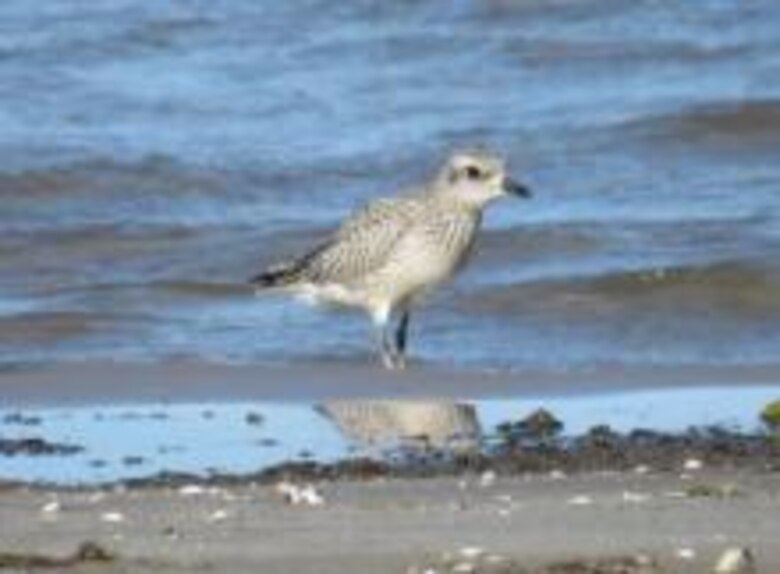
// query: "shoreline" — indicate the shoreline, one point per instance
point(543, 501)
point(169, 446)
point(96, 383)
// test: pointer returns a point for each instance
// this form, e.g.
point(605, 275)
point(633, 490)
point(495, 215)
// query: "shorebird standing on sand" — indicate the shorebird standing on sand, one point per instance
point(388, 254)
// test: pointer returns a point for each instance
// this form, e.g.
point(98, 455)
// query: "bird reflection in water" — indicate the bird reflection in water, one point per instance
point(416, 426)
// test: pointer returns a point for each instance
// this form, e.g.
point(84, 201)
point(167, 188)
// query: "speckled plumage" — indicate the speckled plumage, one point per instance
point(385, 256)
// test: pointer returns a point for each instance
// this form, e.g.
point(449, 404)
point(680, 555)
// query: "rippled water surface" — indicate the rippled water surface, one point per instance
point(153, 157)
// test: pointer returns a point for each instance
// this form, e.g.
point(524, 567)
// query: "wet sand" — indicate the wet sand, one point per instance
point(528, 510)
point(188, 381)
point(402, 525)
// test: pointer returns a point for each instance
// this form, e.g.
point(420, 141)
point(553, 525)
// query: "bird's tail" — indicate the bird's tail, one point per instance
point(289, 273)
point(277, 276)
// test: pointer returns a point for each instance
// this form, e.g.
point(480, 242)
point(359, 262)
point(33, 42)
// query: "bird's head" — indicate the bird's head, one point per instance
point(476, 178)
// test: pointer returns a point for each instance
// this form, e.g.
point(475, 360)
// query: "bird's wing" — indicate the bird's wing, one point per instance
point(362, 243)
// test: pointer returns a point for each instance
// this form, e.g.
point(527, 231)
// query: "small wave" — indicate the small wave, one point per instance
point(157, 173)
point(204, 288)
point(723, 288)
point(615, 52)
point(45, 327)
point(165, 31)
point(103, 193)
point(747, 122)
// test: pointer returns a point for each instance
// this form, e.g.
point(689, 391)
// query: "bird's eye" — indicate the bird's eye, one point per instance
point(472, 172)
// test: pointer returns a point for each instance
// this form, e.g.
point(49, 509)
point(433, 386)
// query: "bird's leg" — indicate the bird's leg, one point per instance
point(387, 351)
point(401, 332)
point(389, 355)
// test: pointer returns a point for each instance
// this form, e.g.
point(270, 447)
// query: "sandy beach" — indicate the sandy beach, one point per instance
point(646, 503)
point(392, 526)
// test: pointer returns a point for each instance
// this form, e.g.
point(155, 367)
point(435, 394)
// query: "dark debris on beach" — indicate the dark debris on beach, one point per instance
point(36, 446)
point(499, 564)
point(87, 553)
point(536, 443)
point(534, 451)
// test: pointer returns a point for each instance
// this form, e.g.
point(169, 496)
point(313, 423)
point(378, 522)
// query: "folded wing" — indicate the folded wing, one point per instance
point(361, 245)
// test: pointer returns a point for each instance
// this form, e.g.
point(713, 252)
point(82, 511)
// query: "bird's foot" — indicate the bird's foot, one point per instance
point(394, 361)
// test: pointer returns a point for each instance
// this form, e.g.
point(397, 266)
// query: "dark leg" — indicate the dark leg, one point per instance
point(401, 333)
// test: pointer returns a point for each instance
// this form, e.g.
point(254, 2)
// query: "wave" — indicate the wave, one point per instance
point(44, 327)
point(745, 121)
point(204, 288)
point(100, 175)
point(721, 288)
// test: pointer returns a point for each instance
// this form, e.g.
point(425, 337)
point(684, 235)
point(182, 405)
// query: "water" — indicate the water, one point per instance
point(142, 440)
point(152, 158)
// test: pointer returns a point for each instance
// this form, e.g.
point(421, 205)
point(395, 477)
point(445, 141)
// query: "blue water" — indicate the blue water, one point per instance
point(207, 438)
point(152, 157)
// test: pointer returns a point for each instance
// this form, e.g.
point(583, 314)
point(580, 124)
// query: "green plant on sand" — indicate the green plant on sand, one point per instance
point(770, 415)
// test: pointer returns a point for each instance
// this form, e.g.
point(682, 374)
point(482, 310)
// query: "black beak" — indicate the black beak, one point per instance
point(513, 188)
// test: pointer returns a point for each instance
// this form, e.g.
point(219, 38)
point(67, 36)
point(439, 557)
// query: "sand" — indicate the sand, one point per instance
point(680, 519)
point(192, 381)
point(392, 525)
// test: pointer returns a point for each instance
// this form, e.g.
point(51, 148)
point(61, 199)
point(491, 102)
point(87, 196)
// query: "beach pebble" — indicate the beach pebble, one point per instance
point(635, 497)
point(218, 515)
point(52, 507)
point(191, 490)
point(471, 552)
point(580, 500)
point(311, 496)
point(487, 478)
point(300, 495)
point(50, 512)
point(686, 553)
point(736, 560)
point(693, 464)
point(466, 560)
point(112, 517)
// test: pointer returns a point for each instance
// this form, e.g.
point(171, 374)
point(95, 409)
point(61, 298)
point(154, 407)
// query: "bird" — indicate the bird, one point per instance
point(388, 254)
